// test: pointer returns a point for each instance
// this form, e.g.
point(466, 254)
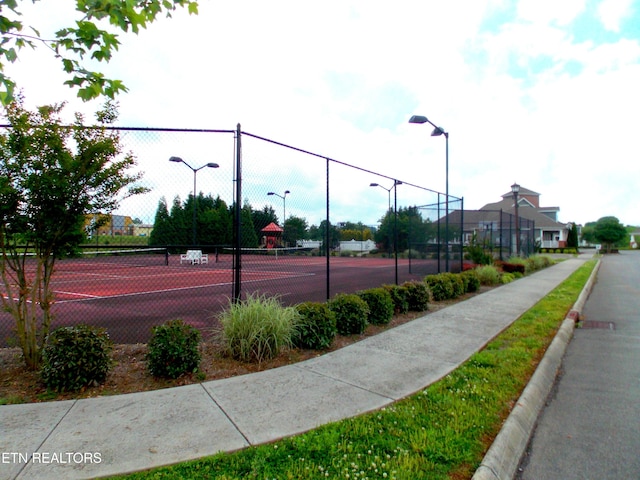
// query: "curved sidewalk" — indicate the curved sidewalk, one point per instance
point(103, 436)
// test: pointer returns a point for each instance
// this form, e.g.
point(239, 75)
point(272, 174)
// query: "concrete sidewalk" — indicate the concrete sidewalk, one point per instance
point(109, 435)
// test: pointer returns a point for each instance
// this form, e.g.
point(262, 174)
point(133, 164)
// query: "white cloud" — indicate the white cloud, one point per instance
point(523, 97)
point(612, 12)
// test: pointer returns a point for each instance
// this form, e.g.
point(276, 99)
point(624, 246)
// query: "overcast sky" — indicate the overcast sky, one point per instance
point(539, 92)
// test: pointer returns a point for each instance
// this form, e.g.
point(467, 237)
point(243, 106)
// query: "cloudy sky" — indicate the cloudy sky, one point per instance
point(539, 92)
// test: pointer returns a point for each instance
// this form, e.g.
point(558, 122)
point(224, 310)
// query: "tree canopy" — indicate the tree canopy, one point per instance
point(93, 36)
point(609, 231)
point(51, 177)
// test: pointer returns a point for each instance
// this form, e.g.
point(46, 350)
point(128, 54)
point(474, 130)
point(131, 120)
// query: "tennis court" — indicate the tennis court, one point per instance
point(130, 293)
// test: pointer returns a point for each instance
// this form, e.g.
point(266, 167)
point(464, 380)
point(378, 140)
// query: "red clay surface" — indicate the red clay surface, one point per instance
point(128, 300)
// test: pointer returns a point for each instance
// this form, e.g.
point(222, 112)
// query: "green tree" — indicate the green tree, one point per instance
point(163, 232)
point(355, 231)
point(609, 231)
point(572, 238)
point(411, 229)
point(247, 230)
point(91, 36)
point(51, 177)
point(181, 228)
point(295, 228)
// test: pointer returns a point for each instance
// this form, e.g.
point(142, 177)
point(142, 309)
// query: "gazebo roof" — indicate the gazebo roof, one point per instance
point(272, 228)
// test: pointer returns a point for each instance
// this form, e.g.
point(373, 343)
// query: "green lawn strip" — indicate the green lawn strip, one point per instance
point(441, 432)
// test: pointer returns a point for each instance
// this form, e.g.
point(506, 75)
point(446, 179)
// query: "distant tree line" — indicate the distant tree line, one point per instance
point(214, 226)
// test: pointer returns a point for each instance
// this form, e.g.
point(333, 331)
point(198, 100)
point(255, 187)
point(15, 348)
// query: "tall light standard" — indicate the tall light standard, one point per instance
point(515, 188)
point(195, 171)
point(437, 131)
point(284, 204)
point(388, 193)
point(395, 216)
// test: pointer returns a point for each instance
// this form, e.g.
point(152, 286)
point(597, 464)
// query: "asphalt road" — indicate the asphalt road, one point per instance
point(590, 427)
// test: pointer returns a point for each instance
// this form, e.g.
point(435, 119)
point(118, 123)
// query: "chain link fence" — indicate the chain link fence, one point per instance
point(231, 214)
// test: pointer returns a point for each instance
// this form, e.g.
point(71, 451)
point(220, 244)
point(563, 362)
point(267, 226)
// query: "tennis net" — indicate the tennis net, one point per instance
point(97, 258)
point(271, 252)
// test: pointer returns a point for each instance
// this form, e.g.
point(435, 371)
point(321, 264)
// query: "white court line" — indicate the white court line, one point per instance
point(166, 290)
point(76, 294)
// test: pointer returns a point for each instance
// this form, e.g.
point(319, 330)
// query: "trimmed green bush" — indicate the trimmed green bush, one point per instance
point(507, 278)
point(440, 286)
point(258, 328)
point(399, 296)
point(316, 327)
point(488, 275)
point(471, 281)
point(76, 357)
point(173, 349)
point(457, 283)
point(352, 313)
point(417, 296)
point(380, 305)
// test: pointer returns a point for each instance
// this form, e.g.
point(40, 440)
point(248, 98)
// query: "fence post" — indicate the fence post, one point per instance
point(327, 236)
point(439, 239)
point(237, 253)
point(461, 233)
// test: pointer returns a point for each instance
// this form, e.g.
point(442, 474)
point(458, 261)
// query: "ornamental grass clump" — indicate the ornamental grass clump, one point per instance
point(258, 328)
point(316, 327)
point(76, 357)
point(488, 275)
point(173, 349)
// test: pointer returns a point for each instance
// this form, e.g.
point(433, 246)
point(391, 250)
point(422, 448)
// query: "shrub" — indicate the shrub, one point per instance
point(509, 267)
point(258, 328)
point(457, 283)
point(173, 349)
point(440, 287)
point(380, 305)
point(507, 278)
point(351, 311)
point(417, 296)
point(471, 281)
point(76, 357)
point(316, 327)
point(488, 275)
point(399, 297)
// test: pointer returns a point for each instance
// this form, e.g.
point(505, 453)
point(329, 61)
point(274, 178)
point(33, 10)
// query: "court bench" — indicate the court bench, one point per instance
point(194, 256)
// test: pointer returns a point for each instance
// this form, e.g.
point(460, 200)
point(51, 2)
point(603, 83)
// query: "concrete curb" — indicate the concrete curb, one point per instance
point(503, 457)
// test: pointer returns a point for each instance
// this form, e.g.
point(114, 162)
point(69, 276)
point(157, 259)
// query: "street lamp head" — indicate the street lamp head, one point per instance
point(437, 132)
point(212, 165)
point(374, 185)
point(271, 193)
point(418, 119)
point(176, 159)
point(515, 188)
point(286, 191)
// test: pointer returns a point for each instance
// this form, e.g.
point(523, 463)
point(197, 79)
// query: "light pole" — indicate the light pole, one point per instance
point(395, 216)
point(388, 193)
point(515, 188)
point(195, 171)
point(284, 204)
point(437, 131)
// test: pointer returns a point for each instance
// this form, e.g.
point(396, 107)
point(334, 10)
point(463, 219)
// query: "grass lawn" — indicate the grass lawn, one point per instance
point(441, 432)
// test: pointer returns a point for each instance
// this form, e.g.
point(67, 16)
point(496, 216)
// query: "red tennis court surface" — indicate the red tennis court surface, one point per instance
point(129, 299)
